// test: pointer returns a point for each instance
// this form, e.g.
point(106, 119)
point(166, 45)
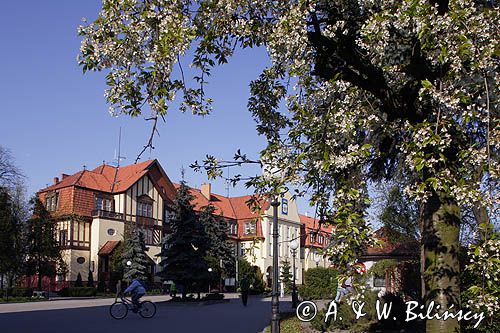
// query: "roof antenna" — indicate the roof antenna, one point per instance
point(227, 181)
point(119, 157)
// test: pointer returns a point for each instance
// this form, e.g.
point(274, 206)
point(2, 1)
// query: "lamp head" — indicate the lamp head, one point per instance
point(294, 245)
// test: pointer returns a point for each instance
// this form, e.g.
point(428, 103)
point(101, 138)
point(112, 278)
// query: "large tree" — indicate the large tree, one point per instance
point(10, 174)
point(43, 251)
point(134, 251)
point(369, 87)
point(218, 246)
point(185, 247)
point(12, 237)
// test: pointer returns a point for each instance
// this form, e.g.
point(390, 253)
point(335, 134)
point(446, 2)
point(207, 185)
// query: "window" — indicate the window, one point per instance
point(145, 209)
point(104, 203)
point(250, 228)
point(270, 238)
point(51, 201)
point(321, 239)
point(145, 206)
point(148, 236)
point(312, 237)
point(378, 281)
point(63, 237)
point(167, 216)
point(233, 228)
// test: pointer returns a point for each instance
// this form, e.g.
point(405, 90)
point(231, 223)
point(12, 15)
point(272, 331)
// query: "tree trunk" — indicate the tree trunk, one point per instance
point(441, 269)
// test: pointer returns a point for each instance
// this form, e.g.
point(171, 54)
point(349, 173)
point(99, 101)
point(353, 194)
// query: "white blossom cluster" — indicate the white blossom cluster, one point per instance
point(330, 127)
point(485, 263)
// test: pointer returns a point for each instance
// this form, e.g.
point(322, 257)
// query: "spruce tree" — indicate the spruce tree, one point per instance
point(90, 280)
point(218, 245)
point(135, 251)
point(78, 282)
point(184, 249)
point(286, 275)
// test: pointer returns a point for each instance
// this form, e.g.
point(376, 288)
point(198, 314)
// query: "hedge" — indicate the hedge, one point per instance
point(319, 283)
point(20, 292)
point(78, 292)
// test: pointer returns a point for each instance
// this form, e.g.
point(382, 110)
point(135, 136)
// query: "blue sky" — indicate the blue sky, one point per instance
point(55, 118)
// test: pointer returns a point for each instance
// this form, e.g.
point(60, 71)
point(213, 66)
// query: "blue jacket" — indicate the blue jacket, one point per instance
point(136, 286)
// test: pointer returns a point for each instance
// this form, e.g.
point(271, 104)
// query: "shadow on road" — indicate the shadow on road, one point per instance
point(222, 317)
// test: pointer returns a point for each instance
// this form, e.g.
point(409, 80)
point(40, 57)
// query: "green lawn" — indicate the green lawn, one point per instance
point(289, 323)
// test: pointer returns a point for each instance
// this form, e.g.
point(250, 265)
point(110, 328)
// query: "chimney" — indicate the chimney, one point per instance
point(206, 190)
point(56, 180)
point(64, 175)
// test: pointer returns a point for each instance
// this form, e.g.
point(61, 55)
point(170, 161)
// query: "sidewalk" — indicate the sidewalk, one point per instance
point(72, 303)
point(59, 303)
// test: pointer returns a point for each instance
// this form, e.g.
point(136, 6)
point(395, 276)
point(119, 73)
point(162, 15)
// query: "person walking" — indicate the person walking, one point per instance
point(244, 287)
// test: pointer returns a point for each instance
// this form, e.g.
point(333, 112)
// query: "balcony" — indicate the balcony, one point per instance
point(107, 214)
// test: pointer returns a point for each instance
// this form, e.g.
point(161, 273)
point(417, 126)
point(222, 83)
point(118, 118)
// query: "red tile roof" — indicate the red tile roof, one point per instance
point(105, 178)
point(234, 208)
point(409, 248)
point(313, 223)
point(108, 248)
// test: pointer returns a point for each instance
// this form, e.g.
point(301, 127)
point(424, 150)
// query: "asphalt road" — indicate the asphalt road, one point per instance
point(222, 317)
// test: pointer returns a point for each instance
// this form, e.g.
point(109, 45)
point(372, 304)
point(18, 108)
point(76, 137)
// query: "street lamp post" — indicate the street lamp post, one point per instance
point(209, 278)
point(294, 245)
point(275, 303)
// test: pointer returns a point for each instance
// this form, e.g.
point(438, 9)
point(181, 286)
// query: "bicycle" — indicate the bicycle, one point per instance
point(119, 309)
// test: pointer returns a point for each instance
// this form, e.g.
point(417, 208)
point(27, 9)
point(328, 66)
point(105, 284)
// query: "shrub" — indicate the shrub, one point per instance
point(101, 286)
point(20, 292)
point(78, 292)
point(348, 320)
point(319, 283)
point(255, 276)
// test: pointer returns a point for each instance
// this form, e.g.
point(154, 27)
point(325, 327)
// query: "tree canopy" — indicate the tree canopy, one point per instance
point(134, 250)
point(357, 91)
point(185, 247)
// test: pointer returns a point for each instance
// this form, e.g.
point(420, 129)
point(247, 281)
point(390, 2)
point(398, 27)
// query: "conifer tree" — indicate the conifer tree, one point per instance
point(90, 279)
point(286, 275)
point(134, 250)
point(184, 249)
point(216, 229)
point(78, 282)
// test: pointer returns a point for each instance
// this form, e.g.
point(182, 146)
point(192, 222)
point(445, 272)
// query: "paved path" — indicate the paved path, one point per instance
point(229, 317)
point(58, 303)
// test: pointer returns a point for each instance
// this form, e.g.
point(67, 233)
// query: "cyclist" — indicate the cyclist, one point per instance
point(138, 290)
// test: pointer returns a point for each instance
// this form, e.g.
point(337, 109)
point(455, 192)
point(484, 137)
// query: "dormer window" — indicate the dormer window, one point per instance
point(233, 228)
point(320, 239)
point(250, 228)
point(51, 201)
point(312, 237)
point(144, 206)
